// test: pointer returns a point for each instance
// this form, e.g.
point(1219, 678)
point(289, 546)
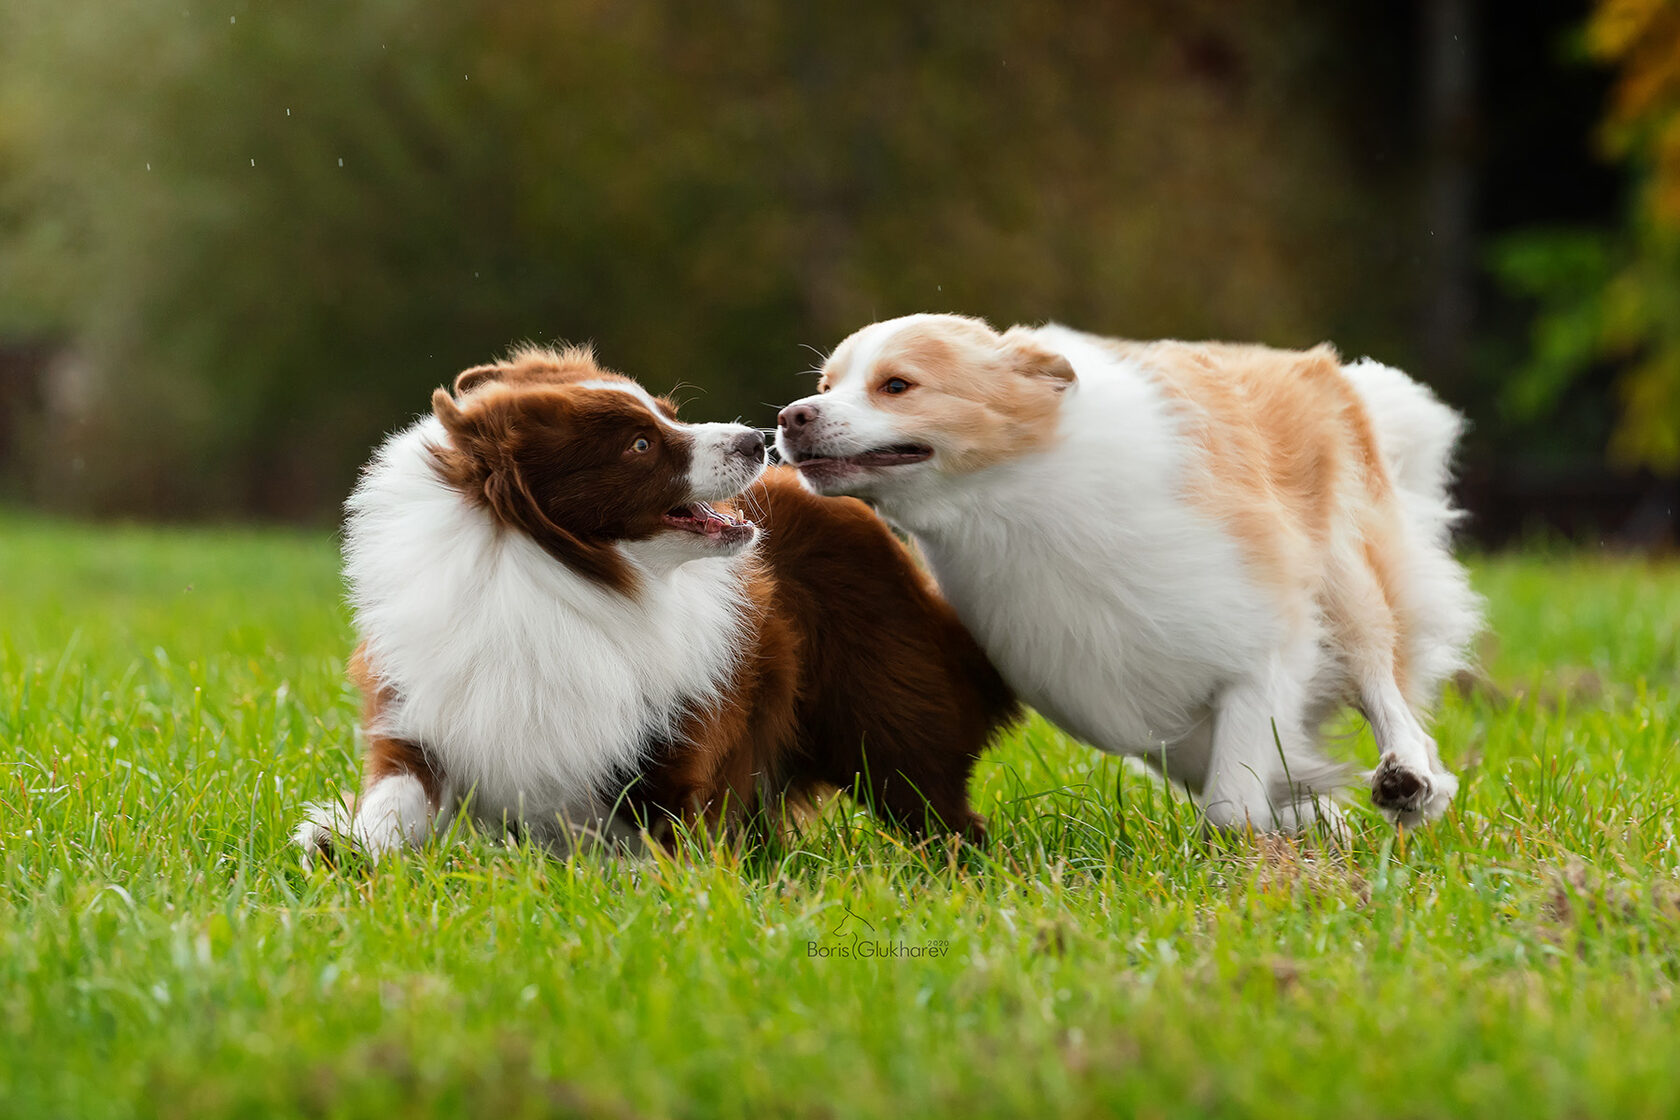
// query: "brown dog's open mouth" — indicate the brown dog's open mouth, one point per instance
point(896, 455)
point(701, 519)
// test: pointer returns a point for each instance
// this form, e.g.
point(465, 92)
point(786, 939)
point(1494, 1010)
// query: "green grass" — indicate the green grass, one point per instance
point(169, 699)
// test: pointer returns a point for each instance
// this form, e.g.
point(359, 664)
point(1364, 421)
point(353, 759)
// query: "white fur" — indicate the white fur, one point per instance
point(1128, 616)
point(1418, 434)
point(713, 473)
point(536, 690)
point(628, 387)
point(391, 813)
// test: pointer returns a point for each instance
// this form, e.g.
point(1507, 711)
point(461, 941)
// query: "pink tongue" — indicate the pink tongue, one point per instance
point(713, 520)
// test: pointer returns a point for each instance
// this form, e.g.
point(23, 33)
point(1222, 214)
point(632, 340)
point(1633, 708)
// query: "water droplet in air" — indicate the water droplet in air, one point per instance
point(341, 161)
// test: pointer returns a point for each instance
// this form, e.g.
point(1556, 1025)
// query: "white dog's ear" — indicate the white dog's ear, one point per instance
point(1029, 359)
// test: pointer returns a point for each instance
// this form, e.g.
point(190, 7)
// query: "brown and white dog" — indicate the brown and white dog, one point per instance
point(550, 611)
point(1192, 554)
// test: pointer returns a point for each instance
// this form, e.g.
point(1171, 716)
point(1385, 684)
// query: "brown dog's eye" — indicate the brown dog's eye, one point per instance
point(894, 385)
point(640, 445)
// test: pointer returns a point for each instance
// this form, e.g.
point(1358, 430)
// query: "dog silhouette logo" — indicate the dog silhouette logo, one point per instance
point(841, 930)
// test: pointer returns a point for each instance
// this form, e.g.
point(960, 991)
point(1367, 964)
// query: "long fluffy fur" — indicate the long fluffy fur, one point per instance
point(555, 634)
point(1188, 554)
point(546, 687)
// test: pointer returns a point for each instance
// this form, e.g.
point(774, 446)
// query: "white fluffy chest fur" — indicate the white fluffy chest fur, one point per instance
point(535, 689)
point(1105, 599)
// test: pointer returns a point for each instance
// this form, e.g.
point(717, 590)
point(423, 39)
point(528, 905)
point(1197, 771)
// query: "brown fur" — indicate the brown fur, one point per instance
point(546, 456)
point(864, 673)
point(859, 674)
point(1289, 455)
point(537, 365)
point(387, 757)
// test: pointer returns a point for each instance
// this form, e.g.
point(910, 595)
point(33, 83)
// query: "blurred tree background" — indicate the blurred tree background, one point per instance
point(1610, 297)
point(239, 241)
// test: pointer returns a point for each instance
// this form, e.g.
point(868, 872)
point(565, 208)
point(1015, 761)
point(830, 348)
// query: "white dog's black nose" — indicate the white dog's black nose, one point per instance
point(748, 445)
point(796, 416)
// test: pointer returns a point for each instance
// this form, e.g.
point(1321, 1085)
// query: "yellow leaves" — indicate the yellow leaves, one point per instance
point(1650, 78)
point(1649, 433)
point(1637, 327)
point(1665, 188)
point(1616, 25)
point(1642, 37)
point(1626, 315)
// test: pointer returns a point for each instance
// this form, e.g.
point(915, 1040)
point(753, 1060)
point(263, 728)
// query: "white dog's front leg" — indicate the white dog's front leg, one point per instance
point(1245, 765)
point(1409, 785)
point(1264, 770)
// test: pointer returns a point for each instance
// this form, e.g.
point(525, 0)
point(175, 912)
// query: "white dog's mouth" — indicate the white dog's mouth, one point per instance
point(701, 519)
point(897, 455)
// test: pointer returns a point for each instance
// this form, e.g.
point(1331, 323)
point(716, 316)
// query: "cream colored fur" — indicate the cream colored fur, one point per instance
point(1189, 554)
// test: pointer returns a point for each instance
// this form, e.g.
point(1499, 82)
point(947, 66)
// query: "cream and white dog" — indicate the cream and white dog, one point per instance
point(1190, 553)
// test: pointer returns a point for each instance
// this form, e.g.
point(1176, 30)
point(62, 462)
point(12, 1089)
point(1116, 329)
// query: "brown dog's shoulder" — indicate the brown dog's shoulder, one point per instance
point(803, 528)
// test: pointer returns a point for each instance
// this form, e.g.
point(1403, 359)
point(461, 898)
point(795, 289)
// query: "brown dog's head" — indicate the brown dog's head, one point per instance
point(592, 467)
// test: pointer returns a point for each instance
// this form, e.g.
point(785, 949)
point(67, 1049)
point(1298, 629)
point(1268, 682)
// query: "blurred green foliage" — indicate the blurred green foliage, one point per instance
point(1612, 297)
point(266, 231)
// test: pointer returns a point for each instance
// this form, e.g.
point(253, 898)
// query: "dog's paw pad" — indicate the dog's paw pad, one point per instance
point(1396, 786)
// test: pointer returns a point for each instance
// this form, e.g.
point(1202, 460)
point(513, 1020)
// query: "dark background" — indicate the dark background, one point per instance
point(238, 242)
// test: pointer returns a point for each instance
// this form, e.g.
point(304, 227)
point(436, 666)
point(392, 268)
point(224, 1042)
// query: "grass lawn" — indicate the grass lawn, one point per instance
point(169, 699)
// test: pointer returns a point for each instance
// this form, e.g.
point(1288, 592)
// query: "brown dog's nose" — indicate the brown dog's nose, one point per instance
point(749, 445)
point(796, 416)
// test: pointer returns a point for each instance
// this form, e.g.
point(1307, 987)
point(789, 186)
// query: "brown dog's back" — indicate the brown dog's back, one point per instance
point(863, 677)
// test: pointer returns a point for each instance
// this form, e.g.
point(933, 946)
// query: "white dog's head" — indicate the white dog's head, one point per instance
point(905, 402)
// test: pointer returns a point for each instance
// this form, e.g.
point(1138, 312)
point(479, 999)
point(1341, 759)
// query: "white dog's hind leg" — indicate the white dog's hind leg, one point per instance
point(1409, 785)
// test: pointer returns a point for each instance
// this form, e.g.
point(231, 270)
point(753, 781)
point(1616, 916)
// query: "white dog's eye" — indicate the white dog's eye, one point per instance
point(894, 385)
point(640, 445)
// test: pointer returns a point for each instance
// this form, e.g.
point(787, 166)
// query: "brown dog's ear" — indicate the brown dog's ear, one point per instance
point(1030, 359)
point(512, 500)
point(467, 460)
point(445, 409)
point(469, 379)
point(480, 462)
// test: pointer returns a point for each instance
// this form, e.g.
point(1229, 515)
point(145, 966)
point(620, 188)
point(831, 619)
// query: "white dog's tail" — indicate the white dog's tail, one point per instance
point(1417, 432)
point(1418, 435)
